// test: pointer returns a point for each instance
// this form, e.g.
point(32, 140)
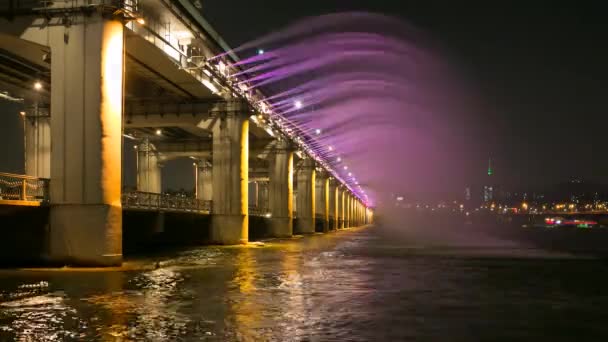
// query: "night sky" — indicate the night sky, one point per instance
point(537, 72)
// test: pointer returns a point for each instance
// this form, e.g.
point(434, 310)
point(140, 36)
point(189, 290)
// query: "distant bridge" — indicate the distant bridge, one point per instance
point(92, 73)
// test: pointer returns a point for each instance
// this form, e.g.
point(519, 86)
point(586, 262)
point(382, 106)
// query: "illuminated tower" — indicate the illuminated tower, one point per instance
point(488, 190)
point(490, 171)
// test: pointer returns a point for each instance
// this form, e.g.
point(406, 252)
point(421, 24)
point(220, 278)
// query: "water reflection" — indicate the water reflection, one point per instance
point(351, 286)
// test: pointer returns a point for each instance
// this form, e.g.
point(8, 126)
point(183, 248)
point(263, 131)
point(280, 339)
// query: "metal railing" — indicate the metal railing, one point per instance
point(259, 211)
point(23, 188)
point(164, 202)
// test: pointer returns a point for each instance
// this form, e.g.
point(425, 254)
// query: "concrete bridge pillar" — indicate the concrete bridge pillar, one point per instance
point(353, 216)
point(306, 197)
point(333, 203)
point(281, 190)
point(148, 168)
point(204, 185)
point(348, 220)
point(37, 126)
point(263, 190)
point(254, 189)
point(341, 210)
point(230, 220)
point(86, 132)
point(322, 199)
point(355, 212)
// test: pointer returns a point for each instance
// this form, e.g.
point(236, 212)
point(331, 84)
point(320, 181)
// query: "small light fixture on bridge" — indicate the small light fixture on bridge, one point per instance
point(260, 51)
point(345, 167)
point(268, 215)
point(22, 113)
point(298, 104)
point(330, 148)
point(159, 132)
point(318, 131)
point(135, 147)
point(140, 21)
point(350, 174)
point(339, 159)
point(38, 85)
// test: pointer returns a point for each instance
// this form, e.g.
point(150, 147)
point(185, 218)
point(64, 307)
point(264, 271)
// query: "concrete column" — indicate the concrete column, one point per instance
point(349, 210)
point(253, 194)
point(204, 186)
point(86, 131)
point(230, 220)
point(263, 194)
point(322, 199)
point(37, 128)
point(148, 168)
point(333, 203)
point(281, 190)
point(306, 197)
point(342, 210)
point(353, 217)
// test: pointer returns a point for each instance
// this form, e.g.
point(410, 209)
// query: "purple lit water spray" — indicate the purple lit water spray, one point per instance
point(373, 96)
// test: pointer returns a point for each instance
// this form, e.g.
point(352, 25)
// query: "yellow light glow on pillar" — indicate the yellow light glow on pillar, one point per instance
point(111, 109)
point(290, 184)
point(244, 174)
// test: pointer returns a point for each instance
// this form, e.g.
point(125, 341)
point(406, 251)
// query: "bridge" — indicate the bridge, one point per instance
point(94, 76)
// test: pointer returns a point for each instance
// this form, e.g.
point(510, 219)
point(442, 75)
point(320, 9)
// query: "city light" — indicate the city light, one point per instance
point(141, 21)
point(159, 132)
point(330, 148)
point(298, 104)
point(38, 85)
point(350, 174)
point(339, 159)
point(317, 131)
point(345, 167)
point(22, 113)
point(260, 51)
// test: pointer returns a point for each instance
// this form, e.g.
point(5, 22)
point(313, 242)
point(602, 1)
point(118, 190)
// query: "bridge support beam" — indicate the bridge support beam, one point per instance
point(306, 197)
point(86, 132)
point(342, 210)
point(281, 190)
point(348, 219)
point(230, 220)
point(333, 203)
point(37, 145)
point(148, 169)
point(322, 199)
point(204, 185)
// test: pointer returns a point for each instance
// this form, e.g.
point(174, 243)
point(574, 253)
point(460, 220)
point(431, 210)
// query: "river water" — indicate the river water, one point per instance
point(357, 285)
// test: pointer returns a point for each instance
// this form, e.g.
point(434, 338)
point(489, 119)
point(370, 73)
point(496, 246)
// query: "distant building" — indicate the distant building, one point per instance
point(488, 190)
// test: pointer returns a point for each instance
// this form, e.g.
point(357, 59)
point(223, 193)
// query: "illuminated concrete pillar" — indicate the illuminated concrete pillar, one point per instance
point(353, 213)
point(86, 133)
point(37, 126)
point(281, 190)
point(148, 168)
point(204, 185)
point(230, 220)
point(322, 199)
point(333, 203)
point(342, 210)
point(306, 197)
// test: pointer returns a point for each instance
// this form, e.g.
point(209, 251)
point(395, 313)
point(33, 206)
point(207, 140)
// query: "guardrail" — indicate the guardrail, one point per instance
point(23, 188)
point(259, 211)
point(164, 202)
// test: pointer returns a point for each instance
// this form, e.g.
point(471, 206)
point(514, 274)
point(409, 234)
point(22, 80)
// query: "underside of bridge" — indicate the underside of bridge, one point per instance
point(88, 79)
